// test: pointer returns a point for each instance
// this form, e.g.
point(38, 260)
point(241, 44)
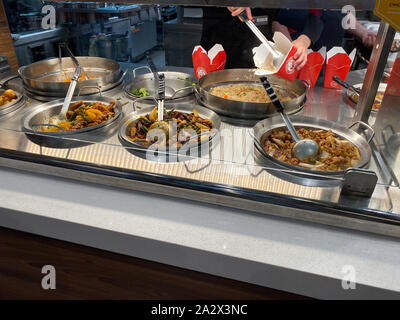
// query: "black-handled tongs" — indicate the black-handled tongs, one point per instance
point(346, 85)
point(161, 96)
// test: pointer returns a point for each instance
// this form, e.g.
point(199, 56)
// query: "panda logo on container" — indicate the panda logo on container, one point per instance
point(201, 72)
point(289, 67)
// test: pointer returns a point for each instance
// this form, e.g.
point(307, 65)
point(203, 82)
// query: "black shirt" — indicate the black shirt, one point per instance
point(324, 30)
point(237, 39)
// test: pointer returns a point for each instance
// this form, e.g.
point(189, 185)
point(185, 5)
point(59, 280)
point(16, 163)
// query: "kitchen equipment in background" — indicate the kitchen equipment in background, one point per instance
point(5, 68)
point(35, 46)
point(137, 22)
point(113, 46)
point(181, 35)
point(142, 38)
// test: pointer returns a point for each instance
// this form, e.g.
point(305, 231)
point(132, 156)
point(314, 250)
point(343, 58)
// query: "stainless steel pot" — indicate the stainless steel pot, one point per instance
point(17, 103)
point(185, 153)
point(44, 77)
point(247, 110)
point(41, 114)
point(176, 84)
point(263, 128)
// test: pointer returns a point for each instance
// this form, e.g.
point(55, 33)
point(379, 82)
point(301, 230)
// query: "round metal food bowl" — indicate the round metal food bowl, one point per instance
point(45, 76)
point(17, 103)
point(176, 87)
point(40, 115)
point(301, 178)
point(14, 105)
point(248, 110)
point(170, 154)
point(263, 128)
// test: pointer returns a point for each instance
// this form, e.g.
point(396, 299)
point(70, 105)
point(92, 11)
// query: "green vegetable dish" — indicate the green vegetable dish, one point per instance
point(140, 93)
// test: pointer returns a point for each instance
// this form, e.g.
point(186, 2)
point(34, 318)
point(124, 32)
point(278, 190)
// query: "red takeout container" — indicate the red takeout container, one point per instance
point(206, 62)
point(313, 67)
point(281, 43)
point(393, 81)
point(338, 63)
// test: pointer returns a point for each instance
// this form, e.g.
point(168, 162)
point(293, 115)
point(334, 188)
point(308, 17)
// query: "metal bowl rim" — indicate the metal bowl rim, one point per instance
point(57, 103)
point(323, 124)
point(126, 121)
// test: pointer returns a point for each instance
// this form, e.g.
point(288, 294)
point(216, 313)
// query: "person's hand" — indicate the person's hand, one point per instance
point(238, 10)
point(368, 38)
point(300, 57)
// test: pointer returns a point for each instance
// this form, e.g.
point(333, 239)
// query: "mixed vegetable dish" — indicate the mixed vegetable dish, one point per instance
point(335, 153)
point(82, 115)
point(175, 130)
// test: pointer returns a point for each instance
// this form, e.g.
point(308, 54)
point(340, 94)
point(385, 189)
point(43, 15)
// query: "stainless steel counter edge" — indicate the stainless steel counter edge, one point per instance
point(288, 255)
point(384, 223)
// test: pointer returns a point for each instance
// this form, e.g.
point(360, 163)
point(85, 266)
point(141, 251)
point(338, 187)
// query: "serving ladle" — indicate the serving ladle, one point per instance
point(277, 56)
point(304, 149)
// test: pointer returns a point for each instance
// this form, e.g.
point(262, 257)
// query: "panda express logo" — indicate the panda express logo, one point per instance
point(289, 67)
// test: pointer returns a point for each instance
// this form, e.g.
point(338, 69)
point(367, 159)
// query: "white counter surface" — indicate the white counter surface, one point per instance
point(293, 256)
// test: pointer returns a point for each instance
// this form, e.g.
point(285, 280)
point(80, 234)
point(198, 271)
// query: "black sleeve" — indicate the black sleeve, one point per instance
point(313, 27)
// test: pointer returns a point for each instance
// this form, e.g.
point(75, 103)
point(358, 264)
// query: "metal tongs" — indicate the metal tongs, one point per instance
point(346, 85)
point(277, 57)
point(161, 96)
point(304, 149)
point(71, 55)
point(159, 87)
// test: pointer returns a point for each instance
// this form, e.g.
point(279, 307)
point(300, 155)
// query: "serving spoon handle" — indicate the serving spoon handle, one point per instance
point(70, 93)
point(279, 108)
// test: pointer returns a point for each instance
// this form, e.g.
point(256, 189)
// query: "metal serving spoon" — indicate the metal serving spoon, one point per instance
point(304, 148)
point(67, 101)
point(277, 57)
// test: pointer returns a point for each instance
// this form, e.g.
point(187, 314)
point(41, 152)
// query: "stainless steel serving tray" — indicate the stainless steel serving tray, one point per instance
point(263, 128)
point(186, 108)
point(176, 86)
point(44, 77)
point(248, 110)
point(40, 115)
point(17, 103)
